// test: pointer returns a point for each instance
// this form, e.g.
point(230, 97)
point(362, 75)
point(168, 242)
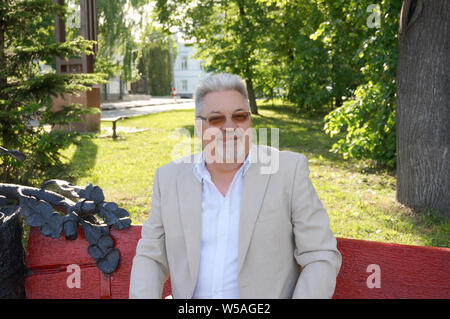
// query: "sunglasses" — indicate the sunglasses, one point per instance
point(220, 119)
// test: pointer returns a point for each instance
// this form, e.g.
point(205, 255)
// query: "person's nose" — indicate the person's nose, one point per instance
point(229, 124)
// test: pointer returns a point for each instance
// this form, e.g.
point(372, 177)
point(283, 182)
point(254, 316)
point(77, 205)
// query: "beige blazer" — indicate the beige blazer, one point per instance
point(286, 248)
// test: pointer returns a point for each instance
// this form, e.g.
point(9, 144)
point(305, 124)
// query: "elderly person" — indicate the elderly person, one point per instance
point(222, 227)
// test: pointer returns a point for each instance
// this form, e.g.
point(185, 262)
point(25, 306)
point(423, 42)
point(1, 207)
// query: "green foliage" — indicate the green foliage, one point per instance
point(325, 56)
point(26, 118)
point(226, 34)
point(154, 61)
point(107, 66)
point(369, 123)
point(316, 51)
point(118, 36)
point(368, 118)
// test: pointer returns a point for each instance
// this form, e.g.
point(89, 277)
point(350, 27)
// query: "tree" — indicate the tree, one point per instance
point(226, 33)
point(26, 28)
point(120, 22)
point(154, 61)
point(290, 65)
point(12, 267)
point(321, 39)
point(368, 117)
point(423, 105)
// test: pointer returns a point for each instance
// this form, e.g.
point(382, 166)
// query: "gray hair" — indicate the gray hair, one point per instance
point(219, 82)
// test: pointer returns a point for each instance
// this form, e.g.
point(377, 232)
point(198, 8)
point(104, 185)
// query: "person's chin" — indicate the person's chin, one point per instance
point(231, 151)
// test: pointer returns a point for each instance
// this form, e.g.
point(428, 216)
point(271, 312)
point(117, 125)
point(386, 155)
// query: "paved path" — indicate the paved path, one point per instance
point(142, 105)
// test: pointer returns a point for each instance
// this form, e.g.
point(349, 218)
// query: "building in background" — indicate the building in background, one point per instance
point(187, 71)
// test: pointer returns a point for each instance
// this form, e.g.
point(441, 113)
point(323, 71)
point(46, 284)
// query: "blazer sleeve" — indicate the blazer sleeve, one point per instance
point(150, 268)
point(315, 245)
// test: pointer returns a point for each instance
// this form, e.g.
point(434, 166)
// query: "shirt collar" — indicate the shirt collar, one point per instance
point(201, 172)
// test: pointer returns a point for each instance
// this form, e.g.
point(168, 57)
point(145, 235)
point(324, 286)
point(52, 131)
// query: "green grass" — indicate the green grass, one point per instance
point(360, 199)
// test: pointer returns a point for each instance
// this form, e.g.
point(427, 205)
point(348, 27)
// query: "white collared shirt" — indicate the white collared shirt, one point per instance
point(218, 267)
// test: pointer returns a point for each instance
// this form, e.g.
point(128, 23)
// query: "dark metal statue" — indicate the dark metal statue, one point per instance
point(80, 206)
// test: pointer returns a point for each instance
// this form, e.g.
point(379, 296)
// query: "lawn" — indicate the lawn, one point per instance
point(360, 200)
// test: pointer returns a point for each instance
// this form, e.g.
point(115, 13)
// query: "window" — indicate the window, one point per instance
point(184, 85)
point(184, 63)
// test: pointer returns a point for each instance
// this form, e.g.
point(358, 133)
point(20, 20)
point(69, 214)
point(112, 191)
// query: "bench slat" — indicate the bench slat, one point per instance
point(406, 271)
point(53, 285)
point(45, 252)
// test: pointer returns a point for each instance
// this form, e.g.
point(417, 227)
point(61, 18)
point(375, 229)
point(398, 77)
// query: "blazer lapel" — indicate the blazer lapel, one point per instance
point(253, 193)
point(189, 191)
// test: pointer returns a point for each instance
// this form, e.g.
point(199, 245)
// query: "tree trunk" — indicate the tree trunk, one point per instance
point(3, 83)
point(3, 77)
point(251, 96)
point(247, 69)
point(423, 109)
point(12, 267)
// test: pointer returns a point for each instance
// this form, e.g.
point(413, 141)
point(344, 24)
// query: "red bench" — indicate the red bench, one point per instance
point(369, 269)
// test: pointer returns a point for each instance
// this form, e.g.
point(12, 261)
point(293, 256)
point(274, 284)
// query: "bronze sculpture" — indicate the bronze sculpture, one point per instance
point(81, 206)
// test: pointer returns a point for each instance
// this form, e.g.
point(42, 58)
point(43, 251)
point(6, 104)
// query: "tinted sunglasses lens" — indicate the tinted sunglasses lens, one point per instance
point(216, 120)
point(240, 117)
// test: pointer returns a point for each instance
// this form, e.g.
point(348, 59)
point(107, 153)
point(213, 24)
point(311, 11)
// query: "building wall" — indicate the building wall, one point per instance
point(113, 89)
point(187, 71)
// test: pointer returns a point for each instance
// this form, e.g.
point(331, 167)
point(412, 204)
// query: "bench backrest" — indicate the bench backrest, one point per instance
point(369, 269)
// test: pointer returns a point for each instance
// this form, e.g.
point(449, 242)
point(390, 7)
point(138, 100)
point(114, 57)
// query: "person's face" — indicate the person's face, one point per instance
point(225, 122)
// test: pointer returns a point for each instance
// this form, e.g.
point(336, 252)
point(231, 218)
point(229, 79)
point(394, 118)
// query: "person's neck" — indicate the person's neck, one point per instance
point(222, 174)
point(223, 171)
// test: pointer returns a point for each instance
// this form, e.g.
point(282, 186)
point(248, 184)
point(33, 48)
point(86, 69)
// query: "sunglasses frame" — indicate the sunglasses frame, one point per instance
point(226, 116)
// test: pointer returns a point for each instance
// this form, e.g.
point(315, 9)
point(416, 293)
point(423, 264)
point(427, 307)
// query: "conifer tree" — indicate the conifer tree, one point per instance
point(26, 41)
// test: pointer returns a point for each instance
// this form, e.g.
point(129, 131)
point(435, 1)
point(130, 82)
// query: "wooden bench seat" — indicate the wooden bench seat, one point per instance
point(404, 271)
